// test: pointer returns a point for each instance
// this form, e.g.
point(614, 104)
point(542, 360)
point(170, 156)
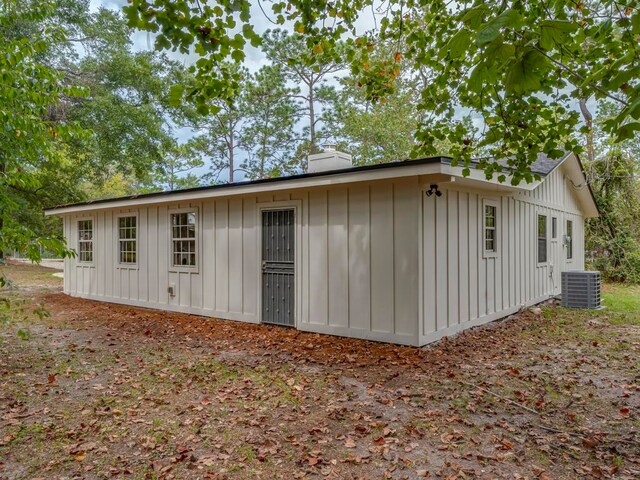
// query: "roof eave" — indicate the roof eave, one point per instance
point(582, 187)
point(336, 177)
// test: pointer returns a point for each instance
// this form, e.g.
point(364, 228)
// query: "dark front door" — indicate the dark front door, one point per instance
point(278, 267)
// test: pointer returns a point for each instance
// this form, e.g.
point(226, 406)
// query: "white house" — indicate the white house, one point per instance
point(405, 252)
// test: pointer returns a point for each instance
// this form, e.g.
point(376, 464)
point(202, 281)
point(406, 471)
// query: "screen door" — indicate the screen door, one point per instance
point(278, 267)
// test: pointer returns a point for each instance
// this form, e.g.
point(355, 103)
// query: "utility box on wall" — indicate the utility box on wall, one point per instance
point(581, 289)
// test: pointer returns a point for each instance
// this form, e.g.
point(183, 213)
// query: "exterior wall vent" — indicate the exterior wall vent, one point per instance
point(581, 289)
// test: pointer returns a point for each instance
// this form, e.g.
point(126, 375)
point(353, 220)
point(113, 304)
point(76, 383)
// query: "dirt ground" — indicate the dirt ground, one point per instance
point(107, 391)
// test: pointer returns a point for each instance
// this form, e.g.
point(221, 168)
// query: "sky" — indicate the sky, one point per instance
point(254, 60)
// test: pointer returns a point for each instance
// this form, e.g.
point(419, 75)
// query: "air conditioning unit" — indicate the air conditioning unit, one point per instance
point(581, 289)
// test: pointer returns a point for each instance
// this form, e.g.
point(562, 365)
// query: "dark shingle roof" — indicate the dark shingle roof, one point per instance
point(543, 165)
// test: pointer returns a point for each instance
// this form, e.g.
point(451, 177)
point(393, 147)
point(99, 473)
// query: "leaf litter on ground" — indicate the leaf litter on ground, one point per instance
point(104, 390)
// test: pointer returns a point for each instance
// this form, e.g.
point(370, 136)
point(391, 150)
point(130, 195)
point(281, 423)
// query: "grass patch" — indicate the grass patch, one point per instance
point(28, 275)
point(623, 300)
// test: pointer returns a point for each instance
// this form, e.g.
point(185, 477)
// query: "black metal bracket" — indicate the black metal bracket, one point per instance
point(433, 188)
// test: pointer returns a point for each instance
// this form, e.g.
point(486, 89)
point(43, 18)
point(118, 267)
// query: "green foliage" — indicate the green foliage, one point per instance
point(374, 132)
point(176, 162)
point(308, 69)
point(218, 134)
point(520, 66)
point(268, 135)
point(255, 133)
point(30, 93)
point(205, 27)
point(98, 113)
point(613, 239)
point(128, 110)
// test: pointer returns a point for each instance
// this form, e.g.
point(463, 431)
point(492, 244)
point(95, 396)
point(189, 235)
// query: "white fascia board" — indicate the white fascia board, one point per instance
point(478, 175)
point(580, 186)
point(249, 189)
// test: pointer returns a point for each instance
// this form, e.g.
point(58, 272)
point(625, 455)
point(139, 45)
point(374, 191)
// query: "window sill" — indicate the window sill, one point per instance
point(174, 269)
point(85, 264)
point(124, 266)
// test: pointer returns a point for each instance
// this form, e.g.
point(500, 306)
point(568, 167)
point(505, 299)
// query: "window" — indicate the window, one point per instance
point(85, 241)
point(490, 229)
point(569, 239)
point(127, 239)
point(554, 228)
point(183, 239)
point(542, 238)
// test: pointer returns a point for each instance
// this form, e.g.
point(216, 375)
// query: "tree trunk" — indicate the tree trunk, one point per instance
point(172, 177)
point(588, 120)
point(262, 156)
point(312, 121)
point(2, 170)
point(231, 149)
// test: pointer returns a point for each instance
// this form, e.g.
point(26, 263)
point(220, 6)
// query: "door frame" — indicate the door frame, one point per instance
point(556, 251)
point(296, 206)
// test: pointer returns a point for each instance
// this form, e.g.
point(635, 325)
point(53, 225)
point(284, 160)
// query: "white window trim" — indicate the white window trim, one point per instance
point(566, 244)
point(490, 253)
point(552, 238)
point(547, 225)
point(119, 264)
point(79, 262)
point(184, 268)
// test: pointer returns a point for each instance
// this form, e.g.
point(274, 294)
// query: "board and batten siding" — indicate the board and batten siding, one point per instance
point(376, 260)
point(462, 286)
point(226, 268)
point(358, 271)
point(362, 265)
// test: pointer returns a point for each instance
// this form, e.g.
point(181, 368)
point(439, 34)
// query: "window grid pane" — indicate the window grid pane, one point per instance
point(490, 228)
point(127, 239)
point(183, 239)
point(542, 238)
point(85, 240)
point(569, 239)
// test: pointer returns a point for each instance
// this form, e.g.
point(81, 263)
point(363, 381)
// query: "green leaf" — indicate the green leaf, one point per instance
point(473, 16)
point(555, 32)
point(635, 22)
point(487, 35)
point(492, 136)
point(175, 95)
point(499, 53)
point(525, 75)
point(238, 55)
point(509, 18)
point(633, 110)
point(627, 131)
point(459, 44)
